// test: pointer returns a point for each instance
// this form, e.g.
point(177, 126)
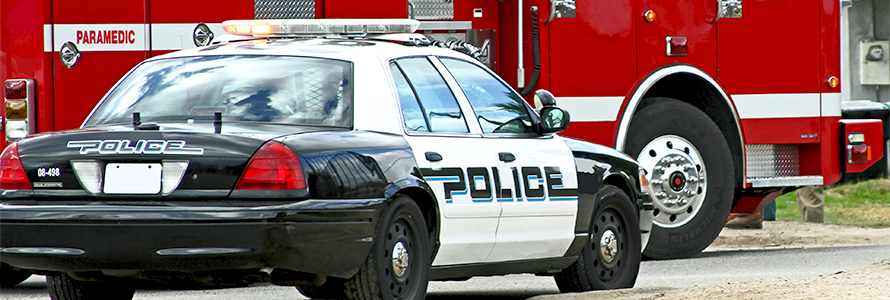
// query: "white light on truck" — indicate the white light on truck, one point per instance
point(856, 138)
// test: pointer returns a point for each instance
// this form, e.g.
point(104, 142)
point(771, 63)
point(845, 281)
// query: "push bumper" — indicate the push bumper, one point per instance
point(331, 237)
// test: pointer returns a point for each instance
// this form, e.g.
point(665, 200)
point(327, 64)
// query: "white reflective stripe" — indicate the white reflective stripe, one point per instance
point(591, 109)
point(100, 37)
point(47, 38)
point(178, 36)
point(831, 104)
point(764, 106)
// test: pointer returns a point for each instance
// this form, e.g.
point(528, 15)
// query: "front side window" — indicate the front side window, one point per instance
point(434, 106)
point(498, 108)
point(271, 89)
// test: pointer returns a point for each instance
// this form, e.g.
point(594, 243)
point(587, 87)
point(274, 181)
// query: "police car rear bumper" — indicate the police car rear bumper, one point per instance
point(331, 237)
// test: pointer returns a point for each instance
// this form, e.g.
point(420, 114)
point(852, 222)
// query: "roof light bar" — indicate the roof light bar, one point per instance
point(319, 27)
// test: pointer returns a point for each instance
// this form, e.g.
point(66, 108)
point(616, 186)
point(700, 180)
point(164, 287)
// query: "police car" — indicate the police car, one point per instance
point(359, 164)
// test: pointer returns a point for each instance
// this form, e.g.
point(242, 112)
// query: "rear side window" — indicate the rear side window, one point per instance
point(427, 102)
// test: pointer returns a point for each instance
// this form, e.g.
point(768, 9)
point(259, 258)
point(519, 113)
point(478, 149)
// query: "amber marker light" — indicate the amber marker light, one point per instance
point(262, 29)
point(649, 16)
point(832, 81)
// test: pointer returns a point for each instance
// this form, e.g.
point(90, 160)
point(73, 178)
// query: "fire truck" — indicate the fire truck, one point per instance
point(726, 103)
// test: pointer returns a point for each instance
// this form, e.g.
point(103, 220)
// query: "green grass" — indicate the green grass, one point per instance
point(865, 204)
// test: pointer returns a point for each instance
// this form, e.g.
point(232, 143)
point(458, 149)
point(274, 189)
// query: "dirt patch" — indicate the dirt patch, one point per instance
point(865, 283)
point(779, 234)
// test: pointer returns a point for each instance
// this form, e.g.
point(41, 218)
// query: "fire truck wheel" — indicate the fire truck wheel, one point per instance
point(399, 262)
point(9, 277)
point(611, 257)
point(690, 171)
point(64, 287)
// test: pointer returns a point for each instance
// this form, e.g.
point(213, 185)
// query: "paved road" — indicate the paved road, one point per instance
point(706, 268)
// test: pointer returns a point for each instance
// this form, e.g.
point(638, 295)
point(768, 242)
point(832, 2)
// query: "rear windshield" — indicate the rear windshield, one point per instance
point(271, 89)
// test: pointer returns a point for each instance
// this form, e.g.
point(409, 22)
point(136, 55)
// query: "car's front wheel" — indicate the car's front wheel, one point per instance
point(611, 258)
point(398, 265)
point(64, 287)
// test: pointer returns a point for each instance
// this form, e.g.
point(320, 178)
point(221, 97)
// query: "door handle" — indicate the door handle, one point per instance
point(506, 157)
point(433, 156)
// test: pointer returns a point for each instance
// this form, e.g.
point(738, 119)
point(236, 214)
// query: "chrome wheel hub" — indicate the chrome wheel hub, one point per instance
point(678, 178)
point(399, 259)
point(608, 246)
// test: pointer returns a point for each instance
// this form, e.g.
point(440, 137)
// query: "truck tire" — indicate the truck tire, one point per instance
point(10, 277)
point(398, 264)
point(690, 171)
point(63, 287)
point(611, 257)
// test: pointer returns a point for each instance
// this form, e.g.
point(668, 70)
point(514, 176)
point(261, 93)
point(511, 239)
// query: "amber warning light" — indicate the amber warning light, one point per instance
point(649, 16)
point(832, 81)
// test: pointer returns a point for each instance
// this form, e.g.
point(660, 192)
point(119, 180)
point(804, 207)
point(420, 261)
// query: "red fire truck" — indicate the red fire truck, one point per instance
point(727, 103)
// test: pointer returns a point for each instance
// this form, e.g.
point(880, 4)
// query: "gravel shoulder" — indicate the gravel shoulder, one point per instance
point(865, 283)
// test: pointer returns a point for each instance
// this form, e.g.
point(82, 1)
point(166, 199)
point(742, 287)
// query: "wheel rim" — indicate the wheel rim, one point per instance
point(399, 259)
point(678, 178)
point(608, 239)
point(399, 245)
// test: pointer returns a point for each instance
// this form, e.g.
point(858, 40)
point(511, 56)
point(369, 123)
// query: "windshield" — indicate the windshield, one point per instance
point(272, 89)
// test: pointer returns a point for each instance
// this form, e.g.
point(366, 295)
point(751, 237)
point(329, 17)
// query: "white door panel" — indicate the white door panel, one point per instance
point(533, 237)
point(540, 221)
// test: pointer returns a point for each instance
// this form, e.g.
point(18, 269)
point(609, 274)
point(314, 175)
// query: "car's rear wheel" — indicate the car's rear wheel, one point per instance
point(64, 287)
point(9, 276)
point(611, 258)
point(398, 265)
point(691, 173)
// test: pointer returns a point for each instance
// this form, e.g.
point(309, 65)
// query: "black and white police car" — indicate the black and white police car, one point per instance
point(356, 166)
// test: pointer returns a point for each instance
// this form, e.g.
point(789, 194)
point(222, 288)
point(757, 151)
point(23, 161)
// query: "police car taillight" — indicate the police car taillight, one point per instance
point(318, 27)
point(273, 167)
point(12, 174)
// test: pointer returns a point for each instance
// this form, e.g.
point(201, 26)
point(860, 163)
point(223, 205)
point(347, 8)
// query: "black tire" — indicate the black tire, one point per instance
point(401, 226)
point(9, 277)
point(331, 289)
point(64, 287)
point(605, 268)
point(689, 213)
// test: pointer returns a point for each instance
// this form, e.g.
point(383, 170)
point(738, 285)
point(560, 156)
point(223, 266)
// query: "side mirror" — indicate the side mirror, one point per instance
point(543, 98)
point(554, 119)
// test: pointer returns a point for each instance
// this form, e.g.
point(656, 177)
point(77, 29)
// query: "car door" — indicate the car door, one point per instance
point(453, 159)
point(538, 217)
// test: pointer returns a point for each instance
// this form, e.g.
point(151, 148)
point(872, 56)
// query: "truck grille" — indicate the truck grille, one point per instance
point(431, 9)
point(284, 9)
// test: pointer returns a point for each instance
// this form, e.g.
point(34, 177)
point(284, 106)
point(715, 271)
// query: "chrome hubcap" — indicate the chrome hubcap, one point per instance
point(677, 175)
point(608, 246)
point(399, 259)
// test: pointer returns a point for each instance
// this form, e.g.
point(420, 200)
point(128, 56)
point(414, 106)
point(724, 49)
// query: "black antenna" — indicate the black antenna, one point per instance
point(136, 121)
point(217, 121)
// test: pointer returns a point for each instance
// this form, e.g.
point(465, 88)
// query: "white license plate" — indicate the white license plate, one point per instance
point(132, 179)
